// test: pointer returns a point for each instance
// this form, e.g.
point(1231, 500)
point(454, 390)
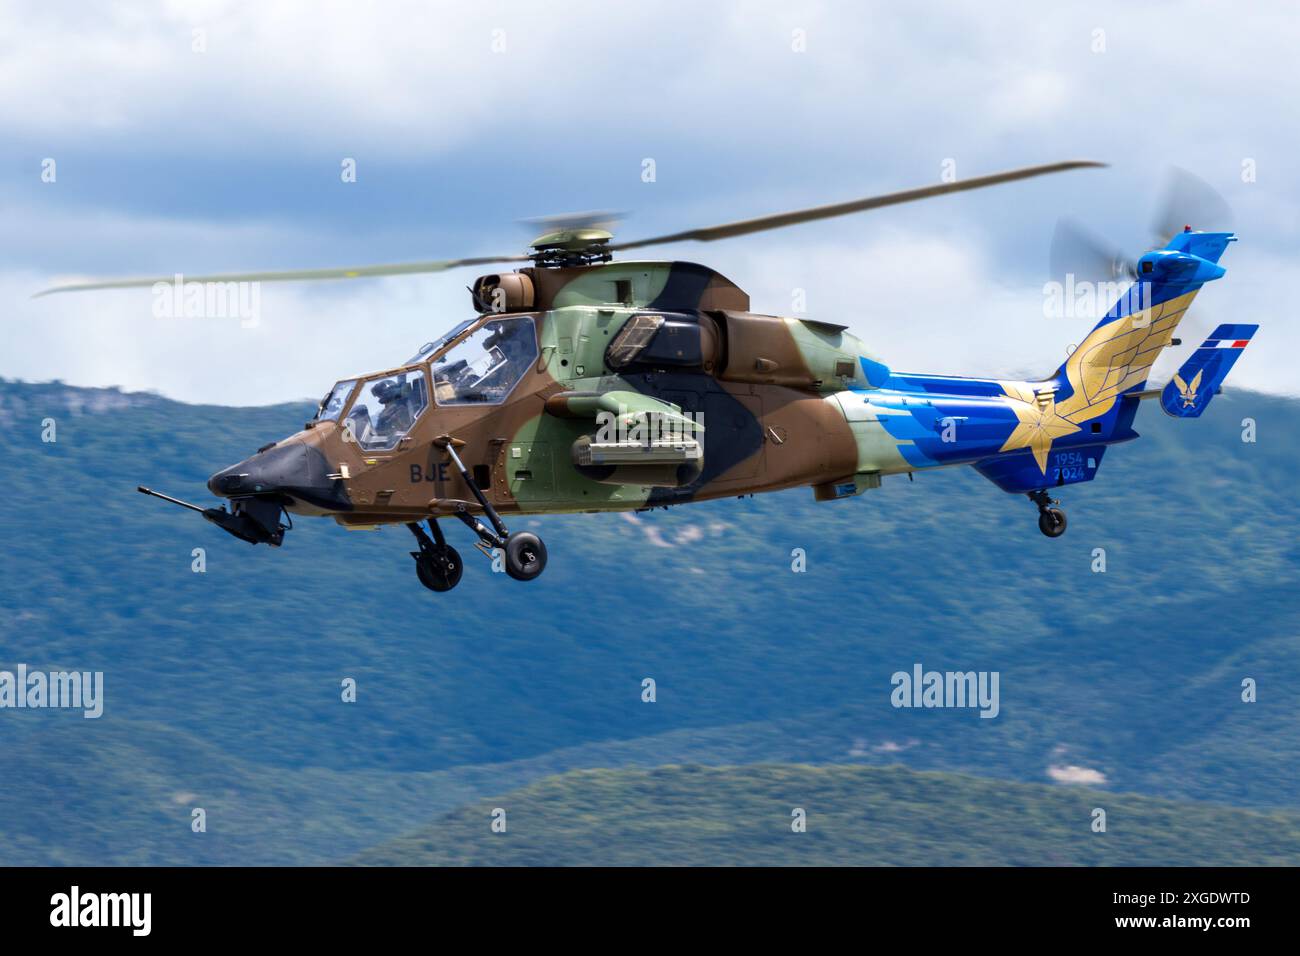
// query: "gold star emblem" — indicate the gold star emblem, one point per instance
point(1039, 424)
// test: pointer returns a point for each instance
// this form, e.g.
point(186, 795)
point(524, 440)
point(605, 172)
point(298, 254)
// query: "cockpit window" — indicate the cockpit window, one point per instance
point(428, 348)
point(332, 407)
point(485, 367)
point(386, 408)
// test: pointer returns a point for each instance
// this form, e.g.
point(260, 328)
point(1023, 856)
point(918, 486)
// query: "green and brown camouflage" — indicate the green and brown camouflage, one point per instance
point(752, 388)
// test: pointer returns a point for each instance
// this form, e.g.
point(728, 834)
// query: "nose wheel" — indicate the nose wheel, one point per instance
point(1051, 519)
point(525, 553)
point(525, 556)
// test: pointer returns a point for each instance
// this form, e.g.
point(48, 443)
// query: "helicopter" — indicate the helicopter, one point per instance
point(589, 384)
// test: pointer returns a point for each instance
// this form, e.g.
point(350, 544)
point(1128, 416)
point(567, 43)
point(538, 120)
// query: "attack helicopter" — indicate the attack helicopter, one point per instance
point(586, 384)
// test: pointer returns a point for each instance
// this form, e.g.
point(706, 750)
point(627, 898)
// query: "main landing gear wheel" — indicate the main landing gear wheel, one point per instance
point(525, 555)
point(1051, 520)
point(439, 568)
point(437, 564)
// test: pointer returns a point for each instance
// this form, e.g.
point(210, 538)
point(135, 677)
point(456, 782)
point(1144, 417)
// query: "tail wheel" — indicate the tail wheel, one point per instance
point(1051, 521)
point(525, 556)
point(439, 568)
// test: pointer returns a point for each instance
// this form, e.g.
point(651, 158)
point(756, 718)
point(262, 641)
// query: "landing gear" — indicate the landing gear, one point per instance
point(525, 556)
point(1051, 520)
point(437, 564)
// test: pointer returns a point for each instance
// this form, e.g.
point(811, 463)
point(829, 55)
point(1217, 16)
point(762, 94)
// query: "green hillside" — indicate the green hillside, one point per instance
point(223, 688)
point(855, 816)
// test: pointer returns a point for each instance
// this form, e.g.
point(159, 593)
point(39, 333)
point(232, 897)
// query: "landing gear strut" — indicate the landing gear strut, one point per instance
point(437, 563)
point(1051, 520)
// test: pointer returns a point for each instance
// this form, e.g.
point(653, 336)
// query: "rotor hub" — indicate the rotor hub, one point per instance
point(572, 247)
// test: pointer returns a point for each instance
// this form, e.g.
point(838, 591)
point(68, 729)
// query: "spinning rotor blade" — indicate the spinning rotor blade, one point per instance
point(780, 220)
point(707, 234)
point(595, 219)
point(353, 272)
point(1188, 200)
point(1076, 251)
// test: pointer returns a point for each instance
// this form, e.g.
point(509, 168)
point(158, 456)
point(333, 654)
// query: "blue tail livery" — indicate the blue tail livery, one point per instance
point(1198, 381)
point(1030, 437)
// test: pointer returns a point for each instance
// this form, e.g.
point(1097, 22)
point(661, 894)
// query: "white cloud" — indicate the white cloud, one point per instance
point(921, 302)
point(1071, 774)
point(418, 76)
point(422, 77)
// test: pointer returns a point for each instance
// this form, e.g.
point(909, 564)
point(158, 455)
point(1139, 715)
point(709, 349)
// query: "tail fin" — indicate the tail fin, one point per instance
point(1117, 355)
point(1198, 381)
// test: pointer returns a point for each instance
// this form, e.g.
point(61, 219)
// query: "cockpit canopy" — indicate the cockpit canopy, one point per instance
point(482, 368)
point(485, 366)
point(337, 400)
point(385, 409)
point(428, 348)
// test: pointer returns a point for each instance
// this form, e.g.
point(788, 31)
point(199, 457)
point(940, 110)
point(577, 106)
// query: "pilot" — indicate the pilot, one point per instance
point(394, 397)
point(511, 337)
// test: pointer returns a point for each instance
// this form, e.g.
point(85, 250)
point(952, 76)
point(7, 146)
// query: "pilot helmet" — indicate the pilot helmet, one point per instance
point(388, 392)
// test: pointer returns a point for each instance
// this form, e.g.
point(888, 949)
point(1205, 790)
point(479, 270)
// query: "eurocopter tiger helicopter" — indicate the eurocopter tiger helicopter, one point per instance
point(586, 384)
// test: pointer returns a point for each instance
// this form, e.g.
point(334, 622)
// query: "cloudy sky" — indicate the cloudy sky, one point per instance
point(221, 149)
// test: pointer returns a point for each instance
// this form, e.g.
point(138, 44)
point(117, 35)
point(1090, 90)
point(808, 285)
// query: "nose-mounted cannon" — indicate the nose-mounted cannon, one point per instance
point(255, 520)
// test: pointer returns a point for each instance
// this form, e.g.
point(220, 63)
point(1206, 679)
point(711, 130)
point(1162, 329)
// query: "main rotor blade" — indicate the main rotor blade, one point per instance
point(781, 220)
point(707, 234)
point(352, 272)
point(595, 218)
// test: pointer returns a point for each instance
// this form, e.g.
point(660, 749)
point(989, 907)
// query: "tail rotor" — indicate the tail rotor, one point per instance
point(1078, 255)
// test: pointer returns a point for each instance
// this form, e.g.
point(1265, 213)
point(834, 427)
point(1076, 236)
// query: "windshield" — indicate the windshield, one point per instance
point(428, 348)
point(386, 408)
point(332, 406)
point(486, 366)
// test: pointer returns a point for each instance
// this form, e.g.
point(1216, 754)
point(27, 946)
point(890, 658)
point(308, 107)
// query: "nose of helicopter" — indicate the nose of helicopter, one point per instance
point(277, 468)
point(291, 468)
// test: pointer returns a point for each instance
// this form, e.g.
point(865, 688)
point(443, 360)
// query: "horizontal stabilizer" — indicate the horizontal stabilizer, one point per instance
point(1199, 380)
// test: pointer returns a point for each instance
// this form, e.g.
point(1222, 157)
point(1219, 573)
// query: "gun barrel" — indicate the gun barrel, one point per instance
point(176, 501)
